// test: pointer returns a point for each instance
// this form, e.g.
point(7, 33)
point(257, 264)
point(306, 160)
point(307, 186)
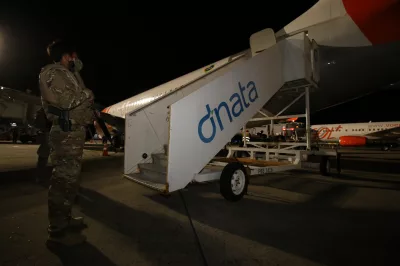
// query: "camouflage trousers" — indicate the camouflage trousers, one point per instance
point(66, 158)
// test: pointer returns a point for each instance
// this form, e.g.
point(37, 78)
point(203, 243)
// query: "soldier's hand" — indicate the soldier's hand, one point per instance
point(90, 94)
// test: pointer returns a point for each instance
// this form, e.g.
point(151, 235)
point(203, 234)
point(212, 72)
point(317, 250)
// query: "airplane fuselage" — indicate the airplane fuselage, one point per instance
point(333, 132)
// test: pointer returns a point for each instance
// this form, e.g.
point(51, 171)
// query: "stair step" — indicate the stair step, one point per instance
point(153, 168)
point(153, 185)
point(153, 173)
point(160, 159)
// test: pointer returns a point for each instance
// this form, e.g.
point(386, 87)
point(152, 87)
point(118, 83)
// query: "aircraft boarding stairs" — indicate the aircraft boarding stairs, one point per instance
point(170, 142)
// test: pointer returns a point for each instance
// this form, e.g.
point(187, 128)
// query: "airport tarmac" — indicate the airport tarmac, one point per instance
point(292, 218)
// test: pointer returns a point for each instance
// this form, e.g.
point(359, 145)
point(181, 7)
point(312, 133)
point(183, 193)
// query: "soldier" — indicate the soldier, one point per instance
point(68, 105)
point(44, 126)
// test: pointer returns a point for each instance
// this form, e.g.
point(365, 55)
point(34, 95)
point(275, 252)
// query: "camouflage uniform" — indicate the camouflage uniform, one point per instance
point(60, 88)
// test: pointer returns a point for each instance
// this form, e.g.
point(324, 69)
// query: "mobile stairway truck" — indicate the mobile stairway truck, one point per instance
point(173, 141)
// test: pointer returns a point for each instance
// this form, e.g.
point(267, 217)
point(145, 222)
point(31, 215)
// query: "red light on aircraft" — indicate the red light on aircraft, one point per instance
point(352, 141)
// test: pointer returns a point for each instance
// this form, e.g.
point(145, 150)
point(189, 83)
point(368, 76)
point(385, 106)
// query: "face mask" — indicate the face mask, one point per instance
point(75, 65)
point(78, 65)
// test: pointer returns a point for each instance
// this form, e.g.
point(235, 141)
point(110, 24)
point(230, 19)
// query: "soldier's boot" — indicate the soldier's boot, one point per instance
point(65, 237)
point(77, 223)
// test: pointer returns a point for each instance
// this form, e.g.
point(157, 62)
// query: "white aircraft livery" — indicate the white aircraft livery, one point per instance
point(357, 134)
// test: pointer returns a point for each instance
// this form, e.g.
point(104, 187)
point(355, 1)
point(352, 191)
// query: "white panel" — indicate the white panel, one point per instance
point(147, 129)
point(293, 48)
point(141, 135)
point(262, 40)
point(188, 154)
point(147, 132)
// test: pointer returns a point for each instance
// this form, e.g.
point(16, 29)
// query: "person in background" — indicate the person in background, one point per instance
point(14, 132)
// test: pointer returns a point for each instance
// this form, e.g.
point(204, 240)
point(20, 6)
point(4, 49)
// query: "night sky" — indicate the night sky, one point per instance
point(124, 53)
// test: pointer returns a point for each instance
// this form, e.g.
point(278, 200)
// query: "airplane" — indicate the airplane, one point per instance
point(355, 42)
point(361, 134)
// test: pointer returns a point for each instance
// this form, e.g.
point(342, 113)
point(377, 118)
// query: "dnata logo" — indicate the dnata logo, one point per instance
point(236, 107)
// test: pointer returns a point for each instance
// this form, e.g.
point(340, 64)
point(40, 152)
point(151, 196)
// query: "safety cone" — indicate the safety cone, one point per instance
point(105, 150)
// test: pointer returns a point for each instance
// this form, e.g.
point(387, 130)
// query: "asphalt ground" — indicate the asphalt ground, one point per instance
point(291, 218)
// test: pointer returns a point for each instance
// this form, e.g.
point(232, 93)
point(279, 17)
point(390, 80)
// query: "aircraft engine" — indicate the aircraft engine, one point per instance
point(352, 141)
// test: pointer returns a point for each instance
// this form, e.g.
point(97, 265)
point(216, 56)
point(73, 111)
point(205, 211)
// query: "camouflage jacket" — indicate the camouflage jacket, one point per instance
point(60, 88)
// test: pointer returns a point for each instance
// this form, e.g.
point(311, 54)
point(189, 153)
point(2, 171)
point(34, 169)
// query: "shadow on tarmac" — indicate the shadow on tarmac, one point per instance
point(84, 254)
point(318, 229)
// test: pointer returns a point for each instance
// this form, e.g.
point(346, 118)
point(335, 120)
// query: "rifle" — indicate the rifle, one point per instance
point(96, 113)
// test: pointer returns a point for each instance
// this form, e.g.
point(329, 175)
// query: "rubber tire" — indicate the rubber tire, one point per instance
point(323, 166)
point(225, 182)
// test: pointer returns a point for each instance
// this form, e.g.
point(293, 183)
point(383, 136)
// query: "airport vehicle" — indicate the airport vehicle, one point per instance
point(329, 54)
